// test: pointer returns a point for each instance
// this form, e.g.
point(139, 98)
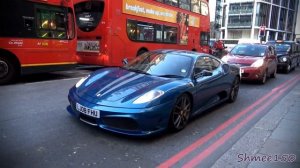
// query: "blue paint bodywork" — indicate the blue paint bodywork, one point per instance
point(113, 90)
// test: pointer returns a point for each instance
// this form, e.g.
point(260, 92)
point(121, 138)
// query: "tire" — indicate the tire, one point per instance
point(264, 78)
point(287, 69)
point(8, 71)
point(234, 90)
point(274, 74)
point(180, 113)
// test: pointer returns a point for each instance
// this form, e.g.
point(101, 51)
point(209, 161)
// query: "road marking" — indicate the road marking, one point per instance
point(208, 151)
point(177, 157)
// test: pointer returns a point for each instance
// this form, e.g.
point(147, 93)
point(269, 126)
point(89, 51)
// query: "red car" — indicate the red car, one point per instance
point(256, 61)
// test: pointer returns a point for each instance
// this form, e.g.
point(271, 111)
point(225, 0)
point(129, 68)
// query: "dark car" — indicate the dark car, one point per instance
point(158, 90)
point(257, 61)
point(288, 54)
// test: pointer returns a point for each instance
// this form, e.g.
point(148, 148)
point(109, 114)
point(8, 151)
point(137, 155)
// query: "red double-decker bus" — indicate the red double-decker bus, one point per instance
point(36, 36)
point(109, 31)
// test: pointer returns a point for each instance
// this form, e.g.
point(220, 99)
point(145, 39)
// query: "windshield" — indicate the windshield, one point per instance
point(282, 47)
point(161, 64)
point(249, 50)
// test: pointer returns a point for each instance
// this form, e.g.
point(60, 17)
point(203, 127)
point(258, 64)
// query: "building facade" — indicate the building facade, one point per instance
point(243, 19)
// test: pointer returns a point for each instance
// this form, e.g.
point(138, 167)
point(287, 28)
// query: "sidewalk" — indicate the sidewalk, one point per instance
point(274, 141)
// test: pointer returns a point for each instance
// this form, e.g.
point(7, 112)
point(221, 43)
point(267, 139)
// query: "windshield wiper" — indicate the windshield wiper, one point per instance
point(170, 76)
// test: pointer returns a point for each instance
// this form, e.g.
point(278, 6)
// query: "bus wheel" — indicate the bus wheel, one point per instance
point(8, 71)
point(141, 51)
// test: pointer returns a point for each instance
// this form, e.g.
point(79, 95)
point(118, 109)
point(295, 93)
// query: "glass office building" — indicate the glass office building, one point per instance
point(243, 19)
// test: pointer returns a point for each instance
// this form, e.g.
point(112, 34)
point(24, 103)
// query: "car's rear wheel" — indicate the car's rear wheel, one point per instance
point(264, 78)
point(234, 90)
point(181, 113)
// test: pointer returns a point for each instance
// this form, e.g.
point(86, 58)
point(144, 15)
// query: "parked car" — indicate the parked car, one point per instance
point(158, 90)
point(257, 61)
point(288, 54)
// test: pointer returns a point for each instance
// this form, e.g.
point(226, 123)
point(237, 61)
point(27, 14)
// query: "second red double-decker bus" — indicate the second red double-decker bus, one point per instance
point(36, 36)
point(109, 31)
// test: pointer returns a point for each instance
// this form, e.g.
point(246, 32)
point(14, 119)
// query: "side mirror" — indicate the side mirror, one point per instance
point(125, 61)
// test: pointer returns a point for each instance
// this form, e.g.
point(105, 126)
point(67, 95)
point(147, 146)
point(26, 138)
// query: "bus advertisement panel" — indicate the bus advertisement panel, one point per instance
point(109, 31)
point(36, 36)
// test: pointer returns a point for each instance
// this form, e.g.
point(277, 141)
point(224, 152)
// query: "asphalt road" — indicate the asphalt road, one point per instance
point(37, 131)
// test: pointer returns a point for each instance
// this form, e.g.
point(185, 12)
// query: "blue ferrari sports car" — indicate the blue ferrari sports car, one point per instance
point(159, 90)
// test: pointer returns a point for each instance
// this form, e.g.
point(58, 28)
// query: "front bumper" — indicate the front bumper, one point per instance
point(251, 73)
point(128, 121)
point(282, 65)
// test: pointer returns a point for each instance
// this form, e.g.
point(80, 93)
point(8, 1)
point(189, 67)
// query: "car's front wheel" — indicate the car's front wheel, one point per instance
point(181, 113)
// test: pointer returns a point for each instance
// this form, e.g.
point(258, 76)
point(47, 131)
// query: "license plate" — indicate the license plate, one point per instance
point(88, 46)
point(88, 111)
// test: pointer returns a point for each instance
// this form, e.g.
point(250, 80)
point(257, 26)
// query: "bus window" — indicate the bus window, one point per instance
point(88, 14)
point(131, 29)
point(204, 8)
point(158, 33)
point(185, 4)
point(204, 38)
point(51, 23)
point(170, 34)
point(145, 31)
point(196, 6)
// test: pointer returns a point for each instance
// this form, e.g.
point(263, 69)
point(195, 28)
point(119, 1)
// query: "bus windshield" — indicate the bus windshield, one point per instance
point(88, 14)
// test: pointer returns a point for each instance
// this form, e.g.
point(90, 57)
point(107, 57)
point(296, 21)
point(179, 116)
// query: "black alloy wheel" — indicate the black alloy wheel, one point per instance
point(234, 90)
point(181, 113)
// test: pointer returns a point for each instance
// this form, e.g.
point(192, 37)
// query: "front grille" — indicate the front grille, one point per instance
point(120, 123)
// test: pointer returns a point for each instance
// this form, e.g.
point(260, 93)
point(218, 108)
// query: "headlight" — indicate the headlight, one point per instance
point(149, 96)
point(284, 59)
point(225, 59)
point(78, 84)
point(258, 63)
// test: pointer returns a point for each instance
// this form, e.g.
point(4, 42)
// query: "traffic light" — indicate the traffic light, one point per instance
point(262, 31)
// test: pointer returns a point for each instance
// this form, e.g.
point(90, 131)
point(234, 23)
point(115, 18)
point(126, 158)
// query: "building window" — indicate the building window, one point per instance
point(280, 36)
point(282, 19)
point(277, 2)
point(290, 21)
point(262, 15)
point(274, 17)
point(272, 35)
point(285, 3)
point(292, 4)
